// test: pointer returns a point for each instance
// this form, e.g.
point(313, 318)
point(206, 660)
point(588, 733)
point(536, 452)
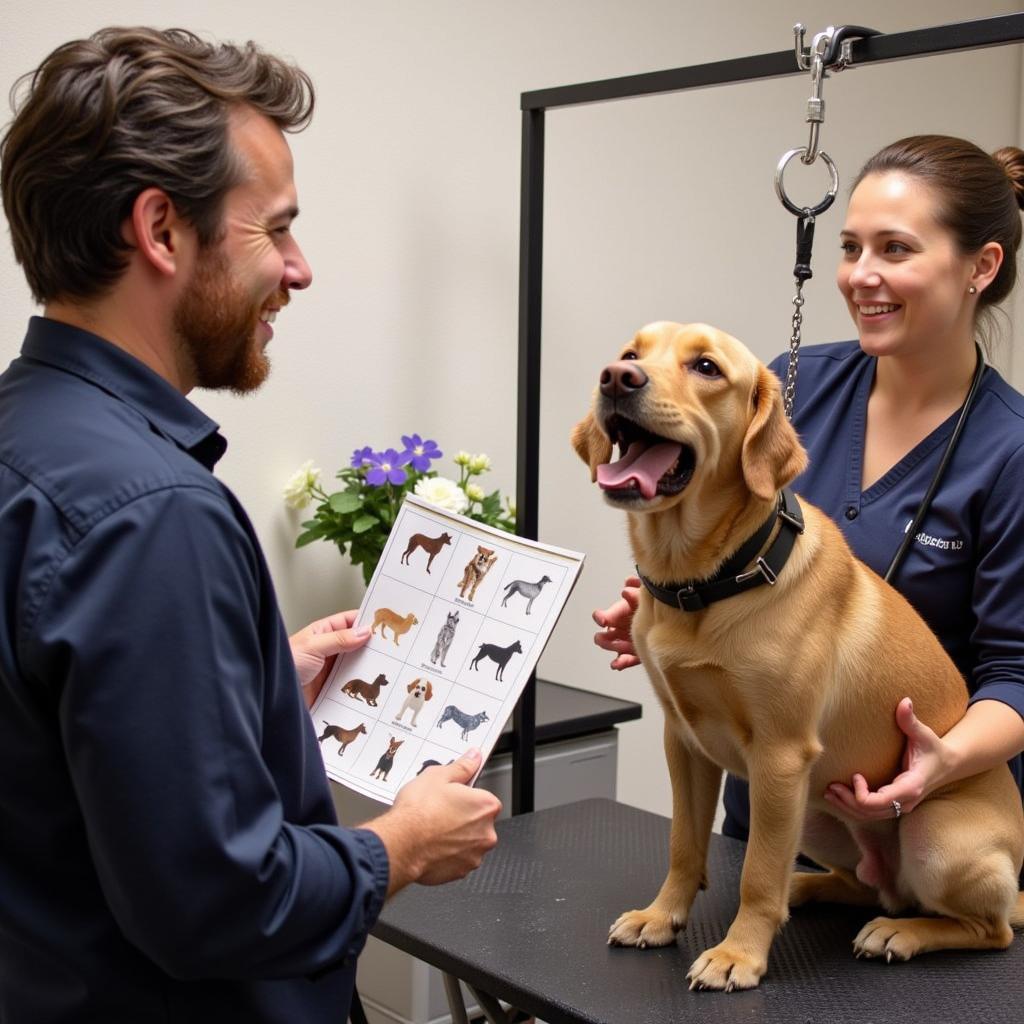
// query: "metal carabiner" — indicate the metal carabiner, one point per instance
point(816, 103)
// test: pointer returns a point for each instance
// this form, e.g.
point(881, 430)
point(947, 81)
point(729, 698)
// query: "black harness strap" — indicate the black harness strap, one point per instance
point(693, 596)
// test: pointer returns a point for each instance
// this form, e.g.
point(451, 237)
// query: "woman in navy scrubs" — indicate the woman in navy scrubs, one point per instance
point(929, 246)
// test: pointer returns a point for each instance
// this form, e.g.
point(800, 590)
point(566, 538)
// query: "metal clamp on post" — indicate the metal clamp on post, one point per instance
point(829, 50)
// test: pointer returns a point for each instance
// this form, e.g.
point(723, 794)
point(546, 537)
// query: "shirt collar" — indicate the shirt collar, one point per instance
point(109, 367)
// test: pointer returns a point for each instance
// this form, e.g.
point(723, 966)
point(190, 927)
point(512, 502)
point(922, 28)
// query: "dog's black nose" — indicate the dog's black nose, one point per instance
point(618, 379)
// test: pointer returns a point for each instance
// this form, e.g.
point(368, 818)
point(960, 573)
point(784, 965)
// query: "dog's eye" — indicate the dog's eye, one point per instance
point(707, 367)
point(630, 355)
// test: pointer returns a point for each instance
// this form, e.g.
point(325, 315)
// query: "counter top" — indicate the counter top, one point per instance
point(564, 712)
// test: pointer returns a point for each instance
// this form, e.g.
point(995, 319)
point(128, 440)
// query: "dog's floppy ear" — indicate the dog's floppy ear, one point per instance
point(411, 686)
point(772, 454)
point(591, 444)
point(430, 691)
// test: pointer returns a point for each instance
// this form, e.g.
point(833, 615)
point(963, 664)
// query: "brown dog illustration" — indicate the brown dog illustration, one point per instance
point(476, 569)
point(432, 545)
point(361, 690)
point(343, 736)
point(387, 760)
point(400, 624)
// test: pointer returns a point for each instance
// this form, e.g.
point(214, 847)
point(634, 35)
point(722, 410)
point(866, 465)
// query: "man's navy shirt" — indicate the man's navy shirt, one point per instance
point(168, 846)
point(964, 571)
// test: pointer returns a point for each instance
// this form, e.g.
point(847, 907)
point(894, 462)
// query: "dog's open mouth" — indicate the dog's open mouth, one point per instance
point(648, 465)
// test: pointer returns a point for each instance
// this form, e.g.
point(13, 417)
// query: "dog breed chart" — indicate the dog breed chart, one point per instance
point(459, 614)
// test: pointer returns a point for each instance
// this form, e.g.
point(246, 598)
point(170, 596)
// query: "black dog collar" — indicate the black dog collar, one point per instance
point(730, 579)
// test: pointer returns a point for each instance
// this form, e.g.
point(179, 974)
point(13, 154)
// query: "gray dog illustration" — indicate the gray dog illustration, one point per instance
point(445, 636)
point(528, 590)
point(465, 722)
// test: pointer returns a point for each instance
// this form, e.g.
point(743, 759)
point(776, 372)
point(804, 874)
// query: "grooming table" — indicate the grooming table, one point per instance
point(530, 926)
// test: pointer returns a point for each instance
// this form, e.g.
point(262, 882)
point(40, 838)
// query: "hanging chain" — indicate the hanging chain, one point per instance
point(789, 393)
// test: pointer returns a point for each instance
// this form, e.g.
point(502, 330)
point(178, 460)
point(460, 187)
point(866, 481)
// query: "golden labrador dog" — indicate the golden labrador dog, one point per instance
point(791, 685)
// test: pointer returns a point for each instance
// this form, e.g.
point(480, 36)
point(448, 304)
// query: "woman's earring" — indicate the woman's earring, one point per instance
point(972, 290)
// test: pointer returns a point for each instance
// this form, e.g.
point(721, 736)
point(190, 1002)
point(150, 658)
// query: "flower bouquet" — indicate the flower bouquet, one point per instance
point(358, 517)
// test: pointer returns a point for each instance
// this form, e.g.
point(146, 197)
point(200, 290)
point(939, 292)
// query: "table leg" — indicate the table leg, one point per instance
point(455, 1003)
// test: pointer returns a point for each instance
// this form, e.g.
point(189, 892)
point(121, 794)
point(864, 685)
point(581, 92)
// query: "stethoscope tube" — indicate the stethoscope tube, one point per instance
point(947, 455)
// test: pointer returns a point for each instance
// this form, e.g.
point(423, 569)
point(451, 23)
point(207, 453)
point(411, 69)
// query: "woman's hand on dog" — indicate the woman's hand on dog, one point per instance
point(616, 624)
point(315, 648)
point(926, 765)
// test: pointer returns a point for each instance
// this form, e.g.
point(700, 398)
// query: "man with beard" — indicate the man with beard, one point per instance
point(169, 849)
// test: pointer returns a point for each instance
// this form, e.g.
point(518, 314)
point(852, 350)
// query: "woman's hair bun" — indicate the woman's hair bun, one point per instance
point(1011, 159)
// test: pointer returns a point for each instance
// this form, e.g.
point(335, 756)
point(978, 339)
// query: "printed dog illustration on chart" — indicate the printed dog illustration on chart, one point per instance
point(387, 760)
point(476, 569)
point(467, 723)
point(432, 546)
point(419, 692)
point(501, 655)
point(445, 636)
point(792, 685)
point(399, 624)
point(343, 736)
point(361, 690)
point(529, 590)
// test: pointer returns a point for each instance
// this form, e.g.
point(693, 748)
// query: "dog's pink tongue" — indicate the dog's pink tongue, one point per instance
point(642, 463)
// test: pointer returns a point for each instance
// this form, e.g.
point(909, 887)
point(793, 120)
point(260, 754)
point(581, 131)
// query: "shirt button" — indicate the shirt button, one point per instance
point(851, 511)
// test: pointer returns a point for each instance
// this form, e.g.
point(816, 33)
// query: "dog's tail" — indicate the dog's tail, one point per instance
point(1017, 914)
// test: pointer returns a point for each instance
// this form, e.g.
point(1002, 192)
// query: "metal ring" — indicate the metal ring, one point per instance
point(830, 195)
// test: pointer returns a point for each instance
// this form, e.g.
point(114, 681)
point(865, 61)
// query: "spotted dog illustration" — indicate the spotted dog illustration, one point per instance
point(467, 723)
point(501, 655)
point(419, 692)
point(387, 760)
point(432, 546)
point(529, 590)
point(476, 569)
point(343, 736)
point(445, 636)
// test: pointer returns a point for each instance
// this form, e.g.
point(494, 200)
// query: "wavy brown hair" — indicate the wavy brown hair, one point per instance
point(102, 119)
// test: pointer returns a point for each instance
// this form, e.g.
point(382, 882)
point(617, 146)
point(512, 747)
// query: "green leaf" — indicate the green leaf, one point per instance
point(344, 501)
point(307, 538)
point(364, 523)
point(491, 505)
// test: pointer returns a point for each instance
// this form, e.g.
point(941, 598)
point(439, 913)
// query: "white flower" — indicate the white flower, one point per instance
point(298, 490)
point(462, 458)
point(479, 463)
point(444, 493)
point(511, 507)
point(474, 492)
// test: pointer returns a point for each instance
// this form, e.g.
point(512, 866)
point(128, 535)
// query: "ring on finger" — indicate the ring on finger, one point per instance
point(897, 808)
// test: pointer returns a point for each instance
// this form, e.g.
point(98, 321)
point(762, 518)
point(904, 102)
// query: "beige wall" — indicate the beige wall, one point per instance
point(409, 178)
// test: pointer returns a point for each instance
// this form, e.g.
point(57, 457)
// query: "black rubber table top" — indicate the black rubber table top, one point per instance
point(530, 927)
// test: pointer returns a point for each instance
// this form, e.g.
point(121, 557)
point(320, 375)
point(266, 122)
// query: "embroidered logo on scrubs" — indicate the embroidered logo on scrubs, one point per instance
point(928, 541)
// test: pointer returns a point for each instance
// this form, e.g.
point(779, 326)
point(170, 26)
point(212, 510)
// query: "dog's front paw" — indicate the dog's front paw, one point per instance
point(726, 967)
point(642, 928)
point(890, 937)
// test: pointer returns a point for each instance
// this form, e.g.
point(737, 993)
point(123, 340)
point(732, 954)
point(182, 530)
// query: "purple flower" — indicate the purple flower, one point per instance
point(360, 456)
point(386, 467)
point(421, 452)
